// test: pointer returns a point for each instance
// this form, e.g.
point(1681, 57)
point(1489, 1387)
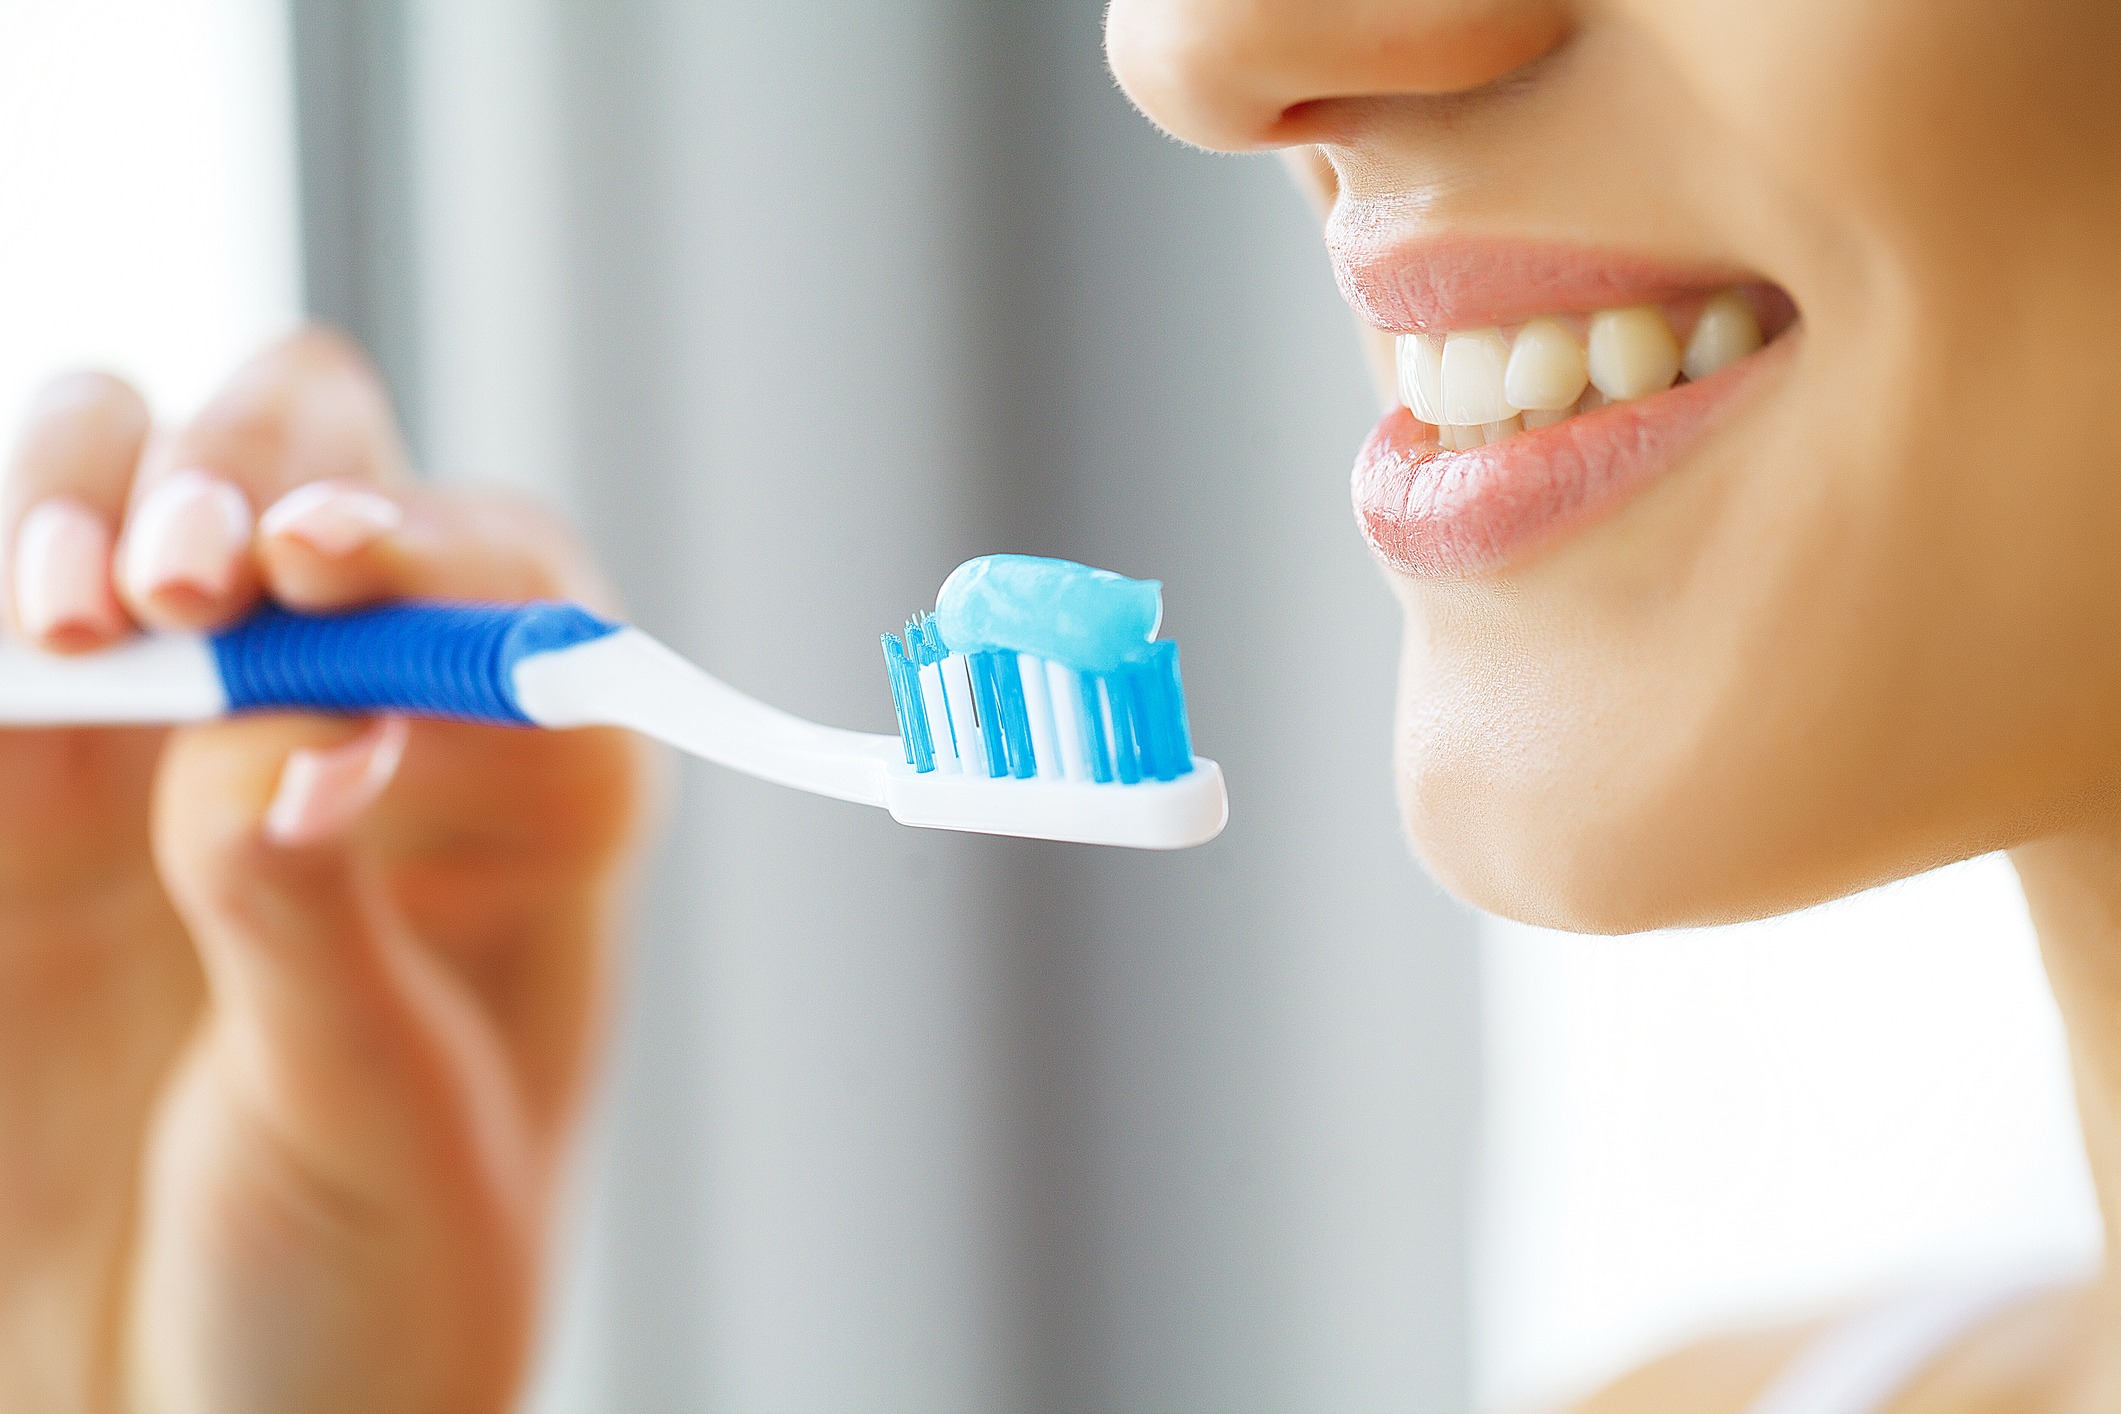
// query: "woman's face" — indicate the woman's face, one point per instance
point(1848, 607)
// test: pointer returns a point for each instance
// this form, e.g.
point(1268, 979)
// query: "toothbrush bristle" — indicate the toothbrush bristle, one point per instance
point(1127, 726)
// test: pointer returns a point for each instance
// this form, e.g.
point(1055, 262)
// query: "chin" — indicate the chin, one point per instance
point(1562, 810)
point(1523, 857)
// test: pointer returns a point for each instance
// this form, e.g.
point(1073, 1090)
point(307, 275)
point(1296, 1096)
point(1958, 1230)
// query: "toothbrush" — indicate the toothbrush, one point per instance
point(1005, 769)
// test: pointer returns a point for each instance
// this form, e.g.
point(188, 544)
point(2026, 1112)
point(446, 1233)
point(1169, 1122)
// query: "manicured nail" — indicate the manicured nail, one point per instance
point(187, 533)
point(322, 792)
point(332, 518)
point(62, 574)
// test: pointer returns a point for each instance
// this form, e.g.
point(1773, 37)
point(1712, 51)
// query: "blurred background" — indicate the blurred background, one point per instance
point(793, 307)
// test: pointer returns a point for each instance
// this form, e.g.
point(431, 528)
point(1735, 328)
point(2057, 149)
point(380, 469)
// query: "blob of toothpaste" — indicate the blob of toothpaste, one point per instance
point(1088, 619)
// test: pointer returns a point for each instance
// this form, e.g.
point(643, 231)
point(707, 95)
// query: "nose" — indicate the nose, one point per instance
point(1239, 75)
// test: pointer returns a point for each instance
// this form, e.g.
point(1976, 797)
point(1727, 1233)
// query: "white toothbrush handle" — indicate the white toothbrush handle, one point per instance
point(149, 681)
point(627, 679)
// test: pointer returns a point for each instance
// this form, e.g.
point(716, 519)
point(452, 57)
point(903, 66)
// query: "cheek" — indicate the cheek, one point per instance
point(1928, 130)
point(1746, 692)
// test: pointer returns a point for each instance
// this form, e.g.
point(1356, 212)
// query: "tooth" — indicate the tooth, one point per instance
point(1725, 333)
point(1472, 377)
point(1496, 431)
point(1546, 369)
point(1591, 401)
point(1420, 359)
point(1632, 352)
point(1456, 438)
point(1546, 417)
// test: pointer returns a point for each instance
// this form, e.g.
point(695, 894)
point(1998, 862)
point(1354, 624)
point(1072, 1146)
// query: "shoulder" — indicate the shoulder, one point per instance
point(2023, 1358)
point(1723, 1374)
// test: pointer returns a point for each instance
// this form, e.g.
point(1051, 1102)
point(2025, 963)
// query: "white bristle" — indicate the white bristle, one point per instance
point(1063, 692)
point(936, 704)
point(1104, 709)
point(957, 687)
point(1038, 706)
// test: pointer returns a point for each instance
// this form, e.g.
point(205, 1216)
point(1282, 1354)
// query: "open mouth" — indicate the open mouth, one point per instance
point(1539, 387)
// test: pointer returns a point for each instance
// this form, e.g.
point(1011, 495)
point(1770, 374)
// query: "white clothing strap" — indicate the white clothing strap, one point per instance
point(1861, 1364)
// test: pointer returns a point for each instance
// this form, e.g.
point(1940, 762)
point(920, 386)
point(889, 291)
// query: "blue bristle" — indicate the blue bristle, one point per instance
point(1143, 719)
point(987, 706)
point(1015, 716)
point(895, 654)
point(1126, 750)
point(1171, 694)
point(912, 714)
point(1096, 756)
point(924, 641)
point(917, 707)
point(1149, 722)
point(1167, 751)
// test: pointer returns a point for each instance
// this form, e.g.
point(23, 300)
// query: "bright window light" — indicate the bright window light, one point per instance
point(147, 206)
point(1691, 1130)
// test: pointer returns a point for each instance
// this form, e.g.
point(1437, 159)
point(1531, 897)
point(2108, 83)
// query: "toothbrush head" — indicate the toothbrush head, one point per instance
point(1047, 675)
point(1035, 668)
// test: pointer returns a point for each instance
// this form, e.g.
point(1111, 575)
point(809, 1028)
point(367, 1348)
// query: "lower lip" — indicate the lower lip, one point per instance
point(1436, 514)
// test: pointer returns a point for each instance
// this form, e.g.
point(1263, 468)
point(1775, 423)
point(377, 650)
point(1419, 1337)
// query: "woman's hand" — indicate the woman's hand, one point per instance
point(296, 1014)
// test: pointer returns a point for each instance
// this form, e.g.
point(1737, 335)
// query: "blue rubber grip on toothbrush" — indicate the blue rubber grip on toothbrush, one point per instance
point(425, 659)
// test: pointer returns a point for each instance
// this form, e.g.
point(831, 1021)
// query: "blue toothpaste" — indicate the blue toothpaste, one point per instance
point(1088, 619)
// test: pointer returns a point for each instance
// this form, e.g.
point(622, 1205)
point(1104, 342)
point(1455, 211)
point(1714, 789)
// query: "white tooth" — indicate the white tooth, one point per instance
point(1420, 358)
point(1458, 439)
point(1472, 377)
point(1632, 353)
point(1725, 333)
point(1546, 369)
point(1547, 417)
point(1496, 431)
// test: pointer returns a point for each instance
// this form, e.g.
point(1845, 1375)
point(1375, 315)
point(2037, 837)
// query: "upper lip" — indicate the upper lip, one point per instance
point(1418, 283)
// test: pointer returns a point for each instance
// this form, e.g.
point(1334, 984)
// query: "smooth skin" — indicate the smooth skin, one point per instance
point(1873, 623)
point(284, 1102)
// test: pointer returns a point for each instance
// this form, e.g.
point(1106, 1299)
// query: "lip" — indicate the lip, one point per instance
point(1436, 284)
point(1436, 514)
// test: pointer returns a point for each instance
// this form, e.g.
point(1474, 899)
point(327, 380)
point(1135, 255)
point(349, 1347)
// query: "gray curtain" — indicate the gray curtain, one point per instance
point(827, 297)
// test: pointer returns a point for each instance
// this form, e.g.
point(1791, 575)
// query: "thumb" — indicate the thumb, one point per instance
point(322, 789)
point(346, 1040)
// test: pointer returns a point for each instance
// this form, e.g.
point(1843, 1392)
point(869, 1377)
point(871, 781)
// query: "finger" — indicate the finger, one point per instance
point(308, 409)
point(327, 1010)
point(335, 544)
point(64, 490)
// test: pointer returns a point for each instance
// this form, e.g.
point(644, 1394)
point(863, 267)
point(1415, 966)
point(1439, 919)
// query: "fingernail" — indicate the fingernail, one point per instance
point(186, 533)
point(322, 792)
point(62, 573)
point(332, 518)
